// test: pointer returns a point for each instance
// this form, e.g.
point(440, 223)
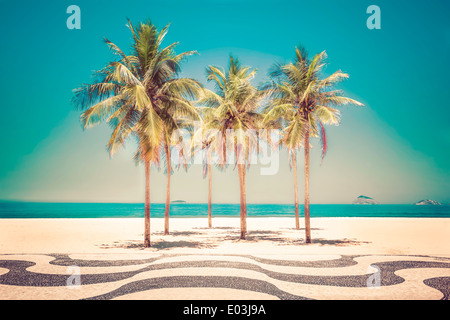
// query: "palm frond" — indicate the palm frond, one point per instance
point(323, 141)
point(327, 114)
point(99, 112)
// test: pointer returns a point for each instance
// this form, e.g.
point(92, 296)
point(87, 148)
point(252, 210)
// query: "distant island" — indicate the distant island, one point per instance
point(364, 200)
point(427, 202)
point(178, 201)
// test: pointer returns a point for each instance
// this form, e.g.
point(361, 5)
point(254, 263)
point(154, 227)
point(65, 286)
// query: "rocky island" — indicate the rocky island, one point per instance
point(364, 200)
point(178, 201)
point(427, 202)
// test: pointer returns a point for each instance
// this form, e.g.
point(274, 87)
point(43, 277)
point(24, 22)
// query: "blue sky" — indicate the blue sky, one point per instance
point(396, 149)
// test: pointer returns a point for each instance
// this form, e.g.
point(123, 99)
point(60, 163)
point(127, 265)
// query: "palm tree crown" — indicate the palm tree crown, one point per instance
point(301, 103)
point(303, 100)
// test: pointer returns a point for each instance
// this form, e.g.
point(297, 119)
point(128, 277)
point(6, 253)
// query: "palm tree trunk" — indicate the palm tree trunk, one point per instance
point(294, 163)
point(307, 222)
point(147, 205)
point(241, 172)
point(209, 197)
point(244, 175)
point(167, 209)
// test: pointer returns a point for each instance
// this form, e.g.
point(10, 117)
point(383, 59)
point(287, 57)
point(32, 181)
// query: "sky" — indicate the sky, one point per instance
point(395, 149)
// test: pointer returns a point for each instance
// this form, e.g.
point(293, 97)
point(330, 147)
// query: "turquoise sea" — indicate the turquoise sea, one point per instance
point(131, 210)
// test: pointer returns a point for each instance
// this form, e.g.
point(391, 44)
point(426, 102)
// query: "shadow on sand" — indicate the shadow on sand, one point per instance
point(209, 238)
point(337, 242)
point(158, 244)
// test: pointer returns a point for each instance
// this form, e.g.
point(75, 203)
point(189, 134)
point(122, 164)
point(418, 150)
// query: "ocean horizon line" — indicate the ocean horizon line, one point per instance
point(123, 210)
point(205, 203)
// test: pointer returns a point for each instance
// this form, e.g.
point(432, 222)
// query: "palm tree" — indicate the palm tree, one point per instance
point(139, 95)
point(305, 103)
point(170, 94)
point(206, 142)
point(278, 122)
point(235, 103)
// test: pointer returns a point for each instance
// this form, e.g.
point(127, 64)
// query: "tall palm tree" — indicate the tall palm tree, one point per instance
point(235, 103)
point(305, 103)
point(206, 142)
point(279, 122)
point(140, 95)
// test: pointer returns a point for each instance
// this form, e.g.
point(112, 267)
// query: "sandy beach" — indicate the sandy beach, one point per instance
point(277, 236)
point(410, 259)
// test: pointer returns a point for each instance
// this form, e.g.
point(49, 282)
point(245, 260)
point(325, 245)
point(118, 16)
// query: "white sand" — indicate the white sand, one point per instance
point(375, 239)
point(266, 236)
